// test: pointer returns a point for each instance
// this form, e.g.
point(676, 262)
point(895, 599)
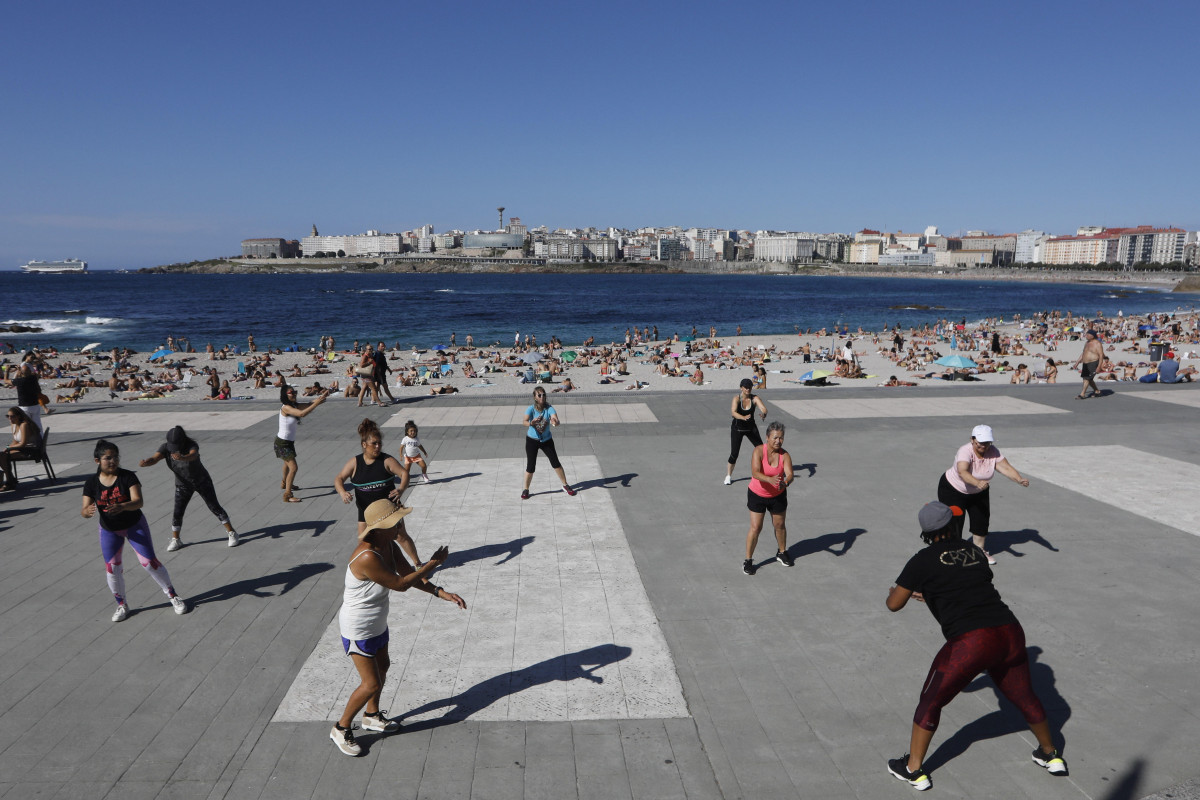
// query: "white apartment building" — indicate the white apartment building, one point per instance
point(424, 244)
point(783, 247)
point(909, 241)
point(1098, 248)
point(1027, 246)
point(371, 243)
point(1146, 245)
point(867, 252)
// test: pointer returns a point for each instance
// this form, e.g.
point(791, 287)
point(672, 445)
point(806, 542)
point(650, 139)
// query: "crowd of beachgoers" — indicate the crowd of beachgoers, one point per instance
point(1040, 349)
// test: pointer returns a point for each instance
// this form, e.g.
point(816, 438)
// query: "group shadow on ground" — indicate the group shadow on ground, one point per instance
point(257, 586)
point(1003, 541)
point(567, 667)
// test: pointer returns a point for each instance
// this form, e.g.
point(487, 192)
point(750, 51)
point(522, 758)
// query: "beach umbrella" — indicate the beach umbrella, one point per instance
point(87, 348)
point(161, 353)
point(531, 358)
point(955, 361)
point(815, 374)
point(569, 355)
point(439, 347)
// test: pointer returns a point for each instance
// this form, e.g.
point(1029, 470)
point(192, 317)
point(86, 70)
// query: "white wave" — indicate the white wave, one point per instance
point(101, 320)
point(46, 325)
point(444, 290)
point(375, 291)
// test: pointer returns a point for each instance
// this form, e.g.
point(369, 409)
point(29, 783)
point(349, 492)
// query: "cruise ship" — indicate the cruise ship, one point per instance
point(70, 265)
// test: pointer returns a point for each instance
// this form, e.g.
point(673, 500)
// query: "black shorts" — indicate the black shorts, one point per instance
point(1088, 369)
point(766, 505)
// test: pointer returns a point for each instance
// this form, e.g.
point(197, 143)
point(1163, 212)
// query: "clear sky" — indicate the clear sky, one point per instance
point(142, 133)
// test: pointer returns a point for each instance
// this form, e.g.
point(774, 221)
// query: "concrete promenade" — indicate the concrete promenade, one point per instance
point(612, 647)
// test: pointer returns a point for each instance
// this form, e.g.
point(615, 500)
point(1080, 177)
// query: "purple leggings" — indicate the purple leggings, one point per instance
point(111, 545)
point(1000, 651)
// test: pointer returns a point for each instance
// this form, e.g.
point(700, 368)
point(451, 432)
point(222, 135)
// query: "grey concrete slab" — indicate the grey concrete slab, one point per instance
point(797, 682)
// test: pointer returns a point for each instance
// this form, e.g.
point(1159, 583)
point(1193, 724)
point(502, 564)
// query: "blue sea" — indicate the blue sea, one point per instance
point(141, 310)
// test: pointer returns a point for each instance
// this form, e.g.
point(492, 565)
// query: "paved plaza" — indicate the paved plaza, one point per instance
point(612, 647)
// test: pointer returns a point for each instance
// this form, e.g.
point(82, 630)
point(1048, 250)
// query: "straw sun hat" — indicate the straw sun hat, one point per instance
point(382, 514)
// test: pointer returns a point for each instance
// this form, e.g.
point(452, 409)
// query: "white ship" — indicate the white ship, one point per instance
point(69, 265)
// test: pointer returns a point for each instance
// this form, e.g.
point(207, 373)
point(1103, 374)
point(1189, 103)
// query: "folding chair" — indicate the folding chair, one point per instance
point(40, 456)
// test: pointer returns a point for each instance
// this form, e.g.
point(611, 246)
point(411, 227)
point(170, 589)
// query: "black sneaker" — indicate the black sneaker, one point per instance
point(783, 558)
point(919, 780)
point(525, 494)
point(748, 566)
point(1053, 763)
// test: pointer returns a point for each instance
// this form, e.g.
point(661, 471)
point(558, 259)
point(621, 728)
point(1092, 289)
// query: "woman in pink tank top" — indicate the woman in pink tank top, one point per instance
point(771, 467)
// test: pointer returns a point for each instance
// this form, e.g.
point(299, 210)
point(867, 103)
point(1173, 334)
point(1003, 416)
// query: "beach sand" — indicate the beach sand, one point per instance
point(784, 369)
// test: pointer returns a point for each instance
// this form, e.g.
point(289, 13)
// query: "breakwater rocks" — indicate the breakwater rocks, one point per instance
point(1189, 284)
point(20, 329)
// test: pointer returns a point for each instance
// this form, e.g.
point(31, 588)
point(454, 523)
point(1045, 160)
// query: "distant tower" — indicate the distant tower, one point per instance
point(314, 233)
point(501, 210)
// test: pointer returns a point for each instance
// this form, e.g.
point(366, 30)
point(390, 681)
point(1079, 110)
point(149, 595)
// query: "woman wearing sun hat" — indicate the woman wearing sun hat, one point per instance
point(982, 634)
point(966, 483)
point(377, 567)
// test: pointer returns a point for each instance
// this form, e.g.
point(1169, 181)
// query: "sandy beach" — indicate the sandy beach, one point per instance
point(725, 361)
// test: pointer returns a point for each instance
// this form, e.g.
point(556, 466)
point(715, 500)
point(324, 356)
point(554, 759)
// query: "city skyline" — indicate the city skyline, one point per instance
point(162, 134)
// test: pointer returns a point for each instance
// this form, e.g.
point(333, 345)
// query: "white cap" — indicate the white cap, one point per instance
point(982, 433)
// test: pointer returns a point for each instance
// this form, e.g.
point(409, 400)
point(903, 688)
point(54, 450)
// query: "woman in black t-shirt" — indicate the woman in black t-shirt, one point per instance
point(952, 577)
point(116, 494)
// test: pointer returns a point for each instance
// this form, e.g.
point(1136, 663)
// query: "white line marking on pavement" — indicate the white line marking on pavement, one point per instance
point(1178, 395)
point(1141, 483)
point(558, 625)
point(574, 413)
point(100, 422)
point(912, 407)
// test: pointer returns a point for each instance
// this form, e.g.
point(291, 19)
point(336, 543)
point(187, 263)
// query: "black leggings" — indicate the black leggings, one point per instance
point(735, 439)
point(183, 496)
point(978, 506)
point(532, 446)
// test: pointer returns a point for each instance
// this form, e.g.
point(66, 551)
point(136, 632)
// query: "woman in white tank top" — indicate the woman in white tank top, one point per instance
point(290, 414)
point(376, 569)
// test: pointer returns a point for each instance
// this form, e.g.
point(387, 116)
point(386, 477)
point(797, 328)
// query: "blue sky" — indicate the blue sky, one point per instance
point(145, 133)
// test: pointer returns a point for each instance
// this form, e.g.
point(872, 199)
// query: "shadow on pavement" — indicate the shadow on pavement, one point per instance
point(836, 543)
point(256, 587)
point(277, 531)
point(568, 667)
point(1003, 541)
point(510, 550)
point(605, 483)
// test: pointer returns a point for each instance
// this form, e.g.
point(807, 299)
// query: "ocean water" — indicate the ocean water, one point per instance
point(141, 310)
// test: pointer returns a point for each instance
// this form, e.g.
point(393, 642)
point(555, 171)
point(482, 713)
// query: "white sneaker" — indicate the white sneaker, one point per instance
point(233, 539)
point(424, 478)
point(175, 544)
point(991, 560)
point(121, 613)
point(180, 605)
point(379, 722)
point(344, 739)
point(728, 479)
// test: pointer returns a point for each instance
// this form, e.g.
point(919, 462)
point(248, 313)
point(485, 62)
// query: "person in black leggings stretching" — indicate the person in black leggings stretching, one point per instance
point(951, 576)
point(182, 454)
point(742, 426)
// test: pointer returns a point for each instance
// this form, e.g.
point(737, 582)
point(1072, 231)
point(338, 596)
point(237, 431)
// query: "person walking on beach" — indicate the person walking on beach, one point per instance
point(539, 418)
point(952, 578)
point(182, 455)
point(411, 450)
point(290, 414)
point(366, 371)
point(771, 467)
point(966, 484)
point(1092, 355)
point(381, 371)
point(116, 494)
point(375, 570)
point(742, 426)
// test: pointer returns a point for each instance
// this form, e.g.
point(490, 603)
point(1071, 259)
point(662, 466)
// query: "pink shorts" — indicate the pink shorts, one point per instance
point(410, 460)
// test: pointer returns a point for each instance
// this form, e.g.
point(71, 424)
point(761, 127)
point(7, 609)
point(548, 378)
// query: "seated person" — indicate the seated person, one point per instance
point(1168, 371)
point(697, 378)
point(1021, 375)
point(353, 389)
point(314, 390)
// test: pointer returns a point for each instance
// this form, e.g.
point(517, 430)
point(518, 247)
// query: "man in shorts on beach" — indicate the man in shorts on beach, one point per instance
point(1093, 353)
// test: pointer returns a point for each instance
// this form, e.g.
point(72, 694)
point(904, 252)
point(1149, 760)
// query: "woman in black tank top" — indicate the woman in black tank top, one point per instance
point(372, 474)
point(742, 426)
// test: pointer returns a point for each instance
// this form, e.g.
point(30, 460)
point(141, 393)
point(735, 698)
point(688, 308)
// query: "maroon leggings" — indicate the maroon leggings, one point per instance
point(1000, 651)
